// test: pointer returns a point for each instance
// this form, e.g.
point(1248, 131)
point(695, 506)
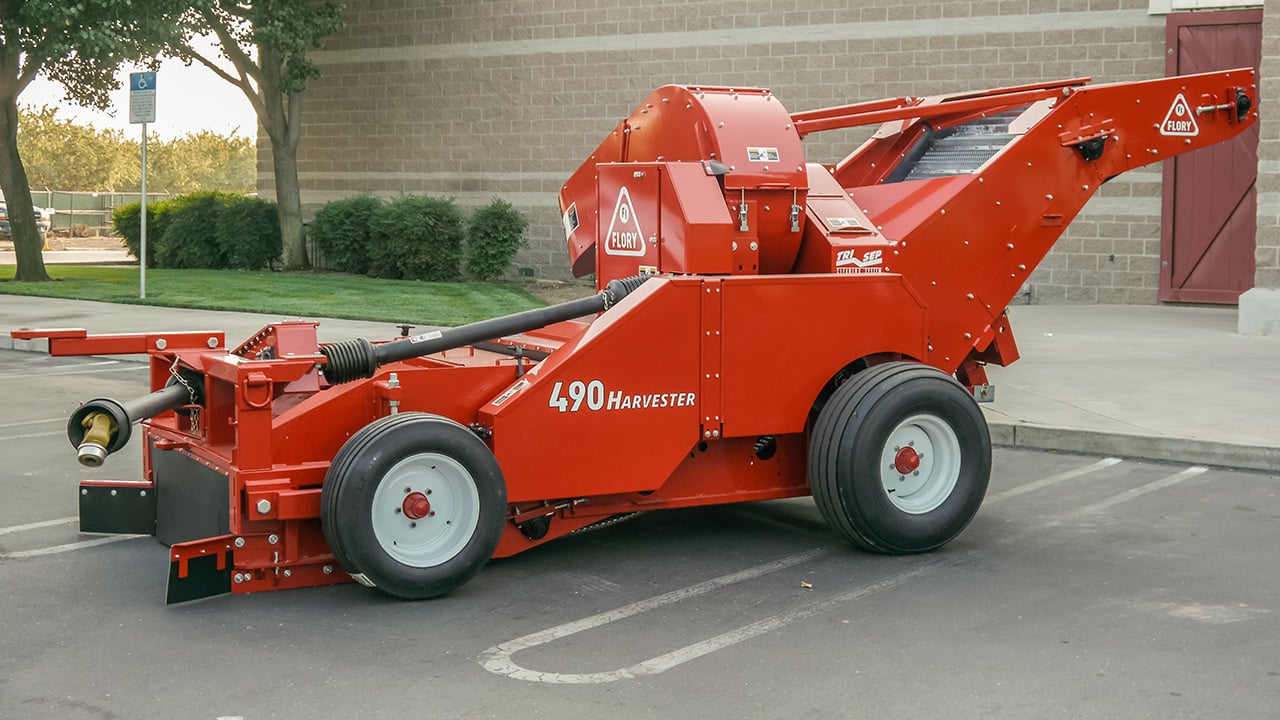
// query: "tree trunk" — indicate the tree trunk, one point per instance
point(27, 243)
point(280, 117)
point(284, 162)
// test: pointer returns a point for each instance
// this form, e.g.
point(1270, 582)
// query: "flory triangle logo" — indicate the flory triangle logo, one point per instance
point(624, 236)
point(1179, 121)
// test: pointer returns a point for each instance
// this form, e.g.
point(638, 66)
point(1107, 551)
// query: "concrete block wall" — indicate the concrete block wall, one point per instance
point(476, 98)
point(1260, 307)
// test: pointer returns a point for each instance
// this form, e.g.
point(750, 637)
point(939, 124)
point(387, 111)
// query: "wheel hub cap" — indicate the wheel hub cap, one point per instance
point(416, 506)
point(920, 463)
point(425, 510)
point(907, 460)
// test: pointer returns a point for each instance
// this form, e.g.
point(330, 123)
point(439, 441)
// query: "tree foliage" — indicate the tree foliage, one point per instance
point(79, 45)
point(203, 160)
point(266, 42)
point(62, 155)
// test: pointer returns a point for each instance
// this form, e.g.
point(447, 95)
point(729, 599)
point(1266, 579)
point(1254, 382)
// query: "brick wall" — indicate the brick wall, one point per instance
point(1267, 250)
point(480, 98)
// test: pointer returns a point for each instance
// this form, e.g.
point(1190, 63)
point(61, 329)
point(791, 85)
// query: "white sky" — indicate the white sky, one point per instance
point(188, 99)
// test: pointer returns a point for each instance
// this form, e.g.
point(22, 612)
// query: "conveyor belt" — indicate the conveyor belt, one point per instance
point(959, 150)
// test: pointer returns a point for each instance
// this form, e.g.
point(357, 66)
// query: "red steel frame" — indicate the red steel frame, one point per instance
point(658, 402)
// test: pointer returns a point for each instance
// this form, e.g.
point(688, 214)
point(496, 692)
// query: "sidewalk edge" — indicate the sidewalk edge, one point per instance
point(1148, 447)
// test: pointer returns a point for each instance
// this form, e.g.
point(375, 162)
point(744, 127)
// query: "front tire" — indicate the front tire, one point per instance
point(899, 459)
point(413, 504)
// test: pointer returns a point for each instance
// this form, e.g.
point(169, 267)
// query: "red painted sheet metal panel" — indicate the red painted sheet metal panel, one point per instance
point(1209, 222)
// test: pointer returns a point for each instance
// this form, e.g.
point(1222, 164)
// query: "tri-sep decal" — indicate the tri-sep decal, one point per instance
point(594, 396)
point(856, 261)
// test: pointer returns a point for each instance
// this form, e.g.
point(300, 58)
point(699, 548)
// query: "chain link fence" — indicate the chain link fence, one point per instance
point(84, 214)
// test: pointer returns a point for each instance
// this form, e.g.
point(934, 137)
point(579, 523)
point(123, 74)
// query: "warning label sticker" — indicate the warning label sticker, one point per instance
point(846, 224)
point(762, 154)
point(1179, 121)
point(624, 236)
point(570, 220)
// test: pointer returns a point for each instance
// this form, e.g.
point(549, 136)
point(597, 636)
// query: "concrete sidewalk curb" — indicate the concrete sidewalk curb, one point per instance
point(8, 342)
point(1147, 447)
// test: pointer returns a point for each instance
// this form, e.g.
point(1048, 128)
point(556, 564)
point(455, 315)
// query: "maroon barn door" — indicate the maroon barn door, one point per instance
point(1209, 215)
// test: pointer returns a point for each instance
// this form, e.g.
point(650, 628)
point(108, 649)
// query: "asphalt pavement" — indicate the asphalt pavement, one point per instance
point(1087, 587)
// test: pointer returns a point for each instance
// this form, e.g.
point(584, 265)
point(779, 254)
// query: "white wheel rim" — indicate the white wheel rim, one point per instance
point(923, 486)
point(441, 532)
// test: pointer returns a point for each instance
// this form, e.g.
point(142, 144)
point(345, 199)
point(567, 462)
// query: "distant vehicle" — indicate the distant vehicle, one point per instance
point(44, 221)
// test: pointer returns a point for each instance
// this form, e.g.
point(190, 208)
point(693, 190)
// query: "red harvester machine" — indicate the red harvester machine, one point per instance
point(765, 328)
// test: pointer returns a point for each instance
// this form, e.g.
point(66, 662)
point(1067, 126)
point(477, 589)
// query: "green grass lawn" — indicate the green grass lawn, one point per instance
point(311, 295)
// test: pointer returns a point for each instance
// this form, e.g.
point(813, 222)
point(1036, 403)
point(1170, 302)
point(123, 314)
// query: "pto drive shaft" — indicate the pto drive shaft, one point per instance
point(102, 425)
point(359, 358)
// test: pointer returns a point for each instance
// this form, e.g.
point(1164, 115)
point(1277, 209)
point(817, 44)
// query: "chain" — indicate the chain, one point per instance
point(614, 520)
point(194, 414)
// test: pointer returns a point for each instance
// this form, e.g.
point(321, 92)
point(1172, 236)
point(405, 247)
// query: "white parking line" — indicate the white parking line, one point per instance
point(1051, 480)
point(1141, 490)
point(36, 525)
point(94, 363)
point(137, 369)
point(72, 366)
point(24, 423)
point(33, 435)
point(498, 659)
point(57, 549)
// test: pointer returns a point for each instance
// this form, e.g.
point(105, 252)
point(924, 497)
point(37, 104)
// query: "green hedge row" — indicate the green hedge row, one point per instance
point(203, 230)
point(412, 237)
point(418, 238)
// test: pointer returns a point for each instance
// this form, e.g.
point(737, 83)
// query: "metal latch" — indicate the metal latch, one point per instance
point(984, 393)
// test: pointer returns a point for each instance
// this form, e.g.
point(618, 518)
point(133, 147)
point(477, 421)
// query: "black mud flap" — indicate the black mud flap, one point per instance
point(118, 507)
point(194, 499)
point(203, 580)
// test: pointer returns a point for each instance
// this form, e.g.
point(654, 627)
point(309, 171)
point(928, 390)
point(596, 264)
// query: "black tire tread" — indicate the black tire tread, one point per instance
point(842, 405)
point(338, 499)
point(838, 422)
point(331, 490)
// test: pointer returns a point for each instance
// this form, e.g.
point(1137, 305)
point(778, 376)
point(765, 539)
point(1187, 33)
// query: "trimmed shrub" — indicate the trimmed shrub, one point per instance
point(495, 233)
point(417, 238)
point(342, 230)
point(190, 238)
point(248, 233)
point(126, 222)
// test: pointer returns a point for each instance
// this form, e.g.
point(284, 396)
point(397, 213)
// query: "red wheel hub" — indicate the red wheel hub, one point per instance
point(907, 460)
point(416, 506)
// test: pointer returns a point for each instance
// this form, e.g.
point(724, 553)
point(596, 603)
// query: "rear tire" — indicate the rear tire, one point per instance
point(899, 459)
point(413, 504)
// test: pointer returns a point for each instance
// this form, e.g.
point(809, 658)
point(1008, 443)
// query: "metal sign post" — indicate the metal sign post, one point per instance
point(142, 109)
